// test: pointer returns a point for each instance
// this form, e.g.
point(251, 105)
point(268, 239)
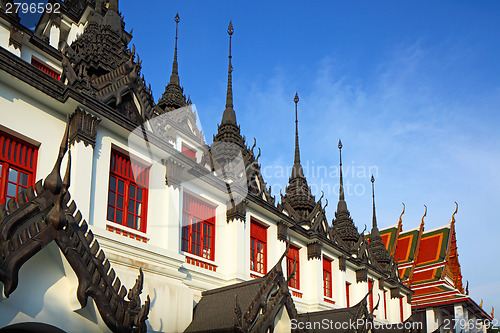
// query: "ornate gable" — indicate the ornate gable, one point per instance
point(42, 215)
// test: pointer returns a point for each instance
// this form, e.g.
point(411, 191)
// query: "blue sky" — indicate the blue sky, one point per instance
point(411, 87)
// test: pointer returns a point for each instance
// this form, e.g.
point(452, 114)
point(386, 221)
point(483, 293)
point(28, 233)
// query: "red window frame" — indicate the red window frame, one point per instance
point(370, 297)
point(45, 68)
point(291, 258)
point(188, 151)
point(258, 247)
point(348, 293)
point(198, 227)
point(128, 191)
point(327, 277)
point(385, 304)
point(18, 161)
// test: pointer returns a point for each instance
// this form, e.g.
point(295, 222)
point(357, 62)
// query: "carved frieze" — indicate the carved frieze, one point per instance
point(362, 275)
point(236, 211)
point(16, 38)
point(381, 283)
point(173, 174)
point(283, 230)
point(342, 263)
point(395, 292)
point(83, 127)
point(314, 250)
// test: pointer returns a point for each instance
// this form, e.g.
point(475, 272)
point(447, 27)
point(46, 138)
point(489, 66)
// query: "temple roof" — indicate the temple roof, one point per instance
point(428, 262)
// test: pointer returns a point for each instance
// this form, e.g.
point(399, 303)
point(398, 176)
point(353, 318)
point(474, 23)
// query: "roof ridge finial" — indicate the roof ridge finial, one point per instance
point(229, 96)
point(453, 215)
point(174, 78)
point(341, 189)
point(374, 219)
point(297, 151)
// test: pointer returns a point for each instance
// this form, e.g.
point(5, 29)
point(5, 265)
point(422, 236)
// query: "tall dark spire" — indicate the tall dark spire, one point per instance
point(343, 223)
point(298, 193)
point(377, 247)
point(374, 219)
point(341, 206)
point(229, 116)
point(297, 167)
point(297, 152)
point(173, 97)
point(228, 130)
point(174, 78)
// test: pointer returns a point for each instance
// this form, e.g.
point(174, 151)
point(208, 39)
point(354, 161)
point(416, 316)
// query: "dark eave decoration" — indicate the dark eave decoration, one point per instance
point(42, 215)
point(83, 127)
point(250, 306)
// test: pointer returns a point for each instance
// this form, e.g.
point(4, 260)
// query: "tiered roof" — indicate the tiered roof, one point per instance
point(428, 262)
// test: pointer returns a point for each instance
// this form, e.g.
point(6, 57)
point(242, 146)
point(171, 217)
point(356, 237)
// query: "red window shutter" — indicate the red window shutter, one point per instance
point(198, 227)
point(18, 160)
point(385, 304)
point(258, 247)
point(128, 191)
point(370, 298)
point(347, 293)
point(327, 277)
point(188, 151)
point(293, 258)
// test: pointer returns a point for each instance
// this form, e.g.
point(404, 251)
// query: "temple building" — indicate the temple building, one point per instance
point(117, 215)
point(428, 264)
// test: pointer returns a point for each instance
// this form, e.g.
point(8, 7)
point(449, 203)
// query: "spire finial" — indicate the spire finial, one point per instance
point(297, 152)
point(341, 189)
point(113, 5)
point(374, 221)
point(174, 78)
point(229, 96)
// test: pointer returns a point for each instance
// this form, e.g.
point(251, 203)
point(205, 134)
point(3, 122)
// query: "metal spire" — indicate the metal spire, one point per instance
point(174, 78)
point(374, 221)
point(341, 189)
point(297, 152)
point(229, 116)
point(229, 95)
